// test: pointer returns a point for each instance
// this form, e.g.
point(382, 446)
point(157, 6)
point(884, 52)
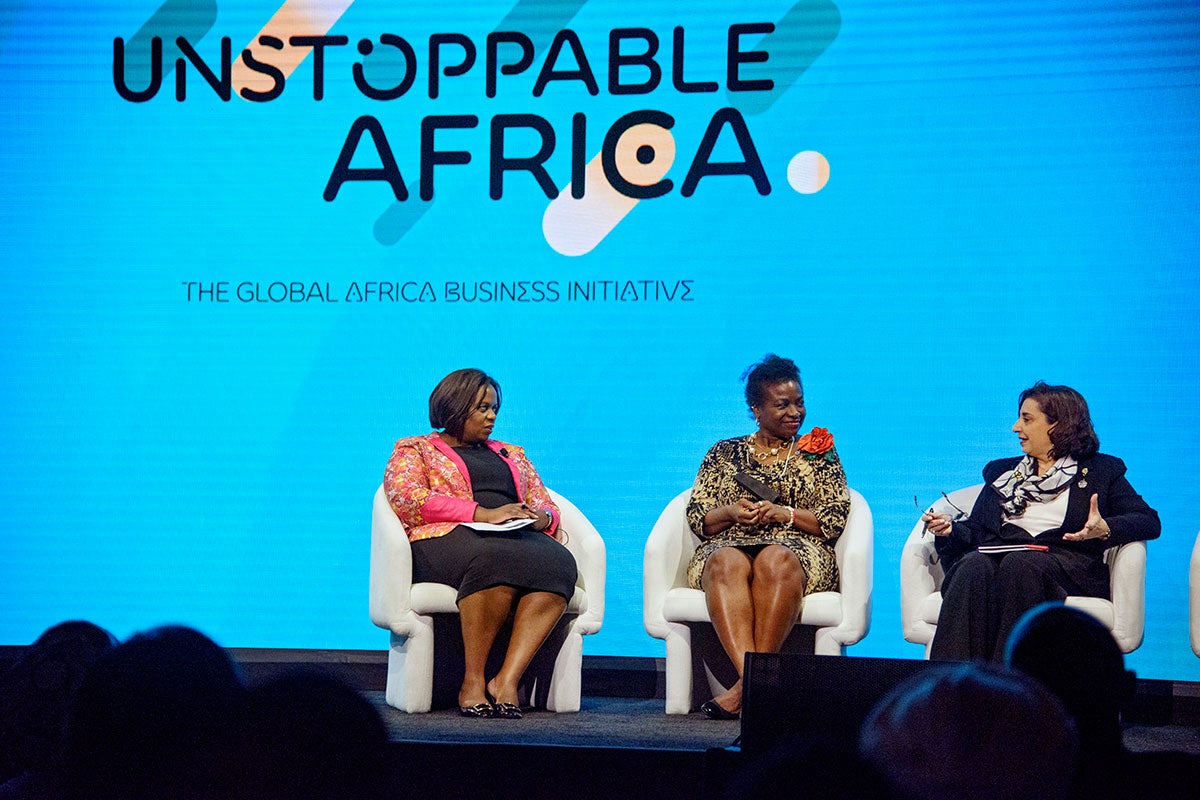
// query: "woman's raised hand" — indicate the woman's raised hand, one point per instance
point(1094, 528)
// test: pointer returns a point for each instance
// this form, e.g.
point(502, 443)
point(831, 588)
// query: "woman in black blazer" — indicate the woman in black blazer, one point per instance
point(1038, 530)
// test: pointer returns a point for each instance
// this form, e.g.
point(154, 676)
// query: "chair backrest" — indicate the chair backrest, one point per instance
point(855, 550)
point(586, 544)
point(679, 541)
point(859, 523)
point(390, 580)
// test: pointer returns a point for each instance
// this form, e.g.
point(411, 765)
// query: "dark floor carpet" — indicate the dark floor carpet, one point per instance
point(601, 722)
point(641, 724)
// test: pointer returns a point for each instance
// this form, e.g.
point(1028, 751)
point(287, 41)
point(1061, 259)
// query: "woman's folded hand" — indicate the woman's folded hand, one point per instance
point(504, 513)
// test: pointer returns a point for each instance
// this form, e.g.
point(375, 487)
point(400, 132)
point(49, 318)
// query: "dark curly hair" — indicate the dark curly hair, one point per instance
point(1066, 410)
point(453, 399)
point(771, 370)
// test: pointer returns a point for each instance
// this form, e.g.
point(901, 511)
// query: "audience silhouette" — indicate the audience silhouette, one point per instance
point(153, 719)
point(309, 736)
point(166, 714)
point(971, 730)
point(36, 694)
point(1074, 656)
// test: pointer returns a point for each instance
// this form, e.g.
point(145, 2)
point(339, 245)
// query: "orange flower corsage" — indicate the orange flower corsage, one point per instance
point(816, 443)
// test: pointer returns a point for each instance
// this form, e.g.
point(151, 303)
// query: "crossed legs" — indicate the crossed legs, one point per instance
point(753, 601)
point(481, 615)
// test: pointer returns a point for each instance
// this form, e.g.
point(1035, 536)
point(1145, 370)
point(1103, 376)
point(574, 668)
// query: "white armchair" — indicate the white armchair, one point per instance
point(1194, 596)
point(670, 608)
point(408, 611)
point(921, 582)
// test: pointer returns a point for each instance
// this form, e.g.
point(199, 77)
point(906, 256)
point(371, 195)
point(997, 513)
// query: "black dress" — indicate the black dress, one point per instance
point(472, 560)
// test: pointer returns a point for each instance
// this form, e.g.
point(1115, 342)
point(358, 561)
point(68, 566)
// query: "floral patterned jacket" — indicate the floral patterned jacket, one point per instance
point(428, 486)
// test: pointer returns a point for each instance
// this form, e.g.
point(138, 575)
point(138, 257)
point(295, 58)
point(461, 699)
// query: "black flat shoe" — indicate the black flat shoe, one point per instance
point(479, 711)
point(508, 711)
point(713, 710)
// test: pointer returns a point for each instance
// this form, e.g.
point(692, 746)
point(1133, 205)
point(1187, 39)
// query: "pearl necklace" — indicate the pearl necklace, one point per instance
point(765, 452)
point(769, 456)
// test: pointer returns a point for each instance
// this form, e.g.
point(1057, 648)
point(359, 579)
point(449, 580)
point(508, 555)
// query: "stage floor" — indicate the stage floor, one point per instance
point(642, 724)
point(601, 722)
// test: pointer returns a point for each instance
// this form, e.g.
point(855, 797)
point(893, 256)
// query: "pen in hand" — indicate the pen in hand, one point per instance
point(923, 512)
point(945, 523)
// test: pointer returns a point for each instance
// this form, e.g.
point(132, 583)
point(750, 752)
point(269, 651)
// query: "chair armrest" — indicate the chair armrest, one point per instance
point(920, 574)
point(855, 550)
point(1194, 596)
point(585, 543)
point(1127, 582)
point(391, 569)
point(920, 567)
point(668, 550)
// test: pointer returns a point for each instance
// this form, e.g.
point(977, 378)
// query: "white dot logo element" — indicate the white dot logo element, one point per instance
point(808, 172)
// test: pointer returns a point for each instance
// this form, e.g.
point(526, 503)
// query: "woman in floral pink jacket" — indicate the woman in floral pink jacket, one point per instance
point(480, 519)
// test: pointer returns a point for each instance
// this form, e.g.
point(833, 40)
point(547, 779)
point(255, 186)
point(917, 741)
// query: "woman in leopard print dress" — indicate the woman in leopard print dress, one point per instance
point(768, 508)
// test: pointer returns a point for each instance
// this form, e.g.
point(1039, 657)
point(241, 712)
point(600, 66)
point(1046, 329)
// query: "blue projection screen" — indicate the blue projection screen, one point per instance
point(242, 242)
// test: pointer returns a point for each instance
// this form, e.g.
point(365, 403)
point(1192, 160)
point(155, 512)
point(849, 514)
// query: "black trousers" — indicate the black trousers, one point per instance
point(984, 596)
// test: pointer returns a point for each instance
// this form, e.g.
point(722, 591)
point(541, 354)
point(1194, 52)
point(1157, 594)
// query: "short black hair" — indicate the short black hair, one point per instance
point(1066, 410)
point(771, 370)
point(453, 399)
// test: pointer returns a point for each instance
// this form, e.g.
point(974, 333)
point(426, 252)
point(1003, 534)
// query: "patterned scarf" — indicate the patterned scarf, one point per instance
point(1021, 485)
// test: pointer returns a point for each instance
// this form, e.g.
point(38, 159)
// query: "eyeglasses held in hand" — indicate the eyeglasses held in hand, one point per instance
point(959, 516)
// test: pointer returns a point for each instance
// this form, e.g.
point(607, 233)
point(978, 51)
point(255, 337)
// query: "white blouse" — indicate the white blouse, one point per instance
point(1045, 516)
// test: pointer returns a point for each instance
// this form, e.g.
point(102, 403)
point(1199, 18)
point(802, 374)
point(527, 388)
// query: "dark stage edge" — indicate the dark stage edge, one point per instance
point(1156, 703)
point(613, 748)
point(621, 744)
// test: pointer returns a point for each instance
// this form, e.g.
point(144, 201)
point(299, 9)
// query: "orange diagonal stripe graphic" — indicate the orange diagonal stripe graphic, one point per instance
point(294, 18)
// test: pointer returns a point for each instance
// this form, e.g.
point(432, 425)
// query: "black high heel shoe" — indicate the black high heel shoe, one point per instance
point(713, 710)
point(479, 711)
point(507, 710)
point(503, 710)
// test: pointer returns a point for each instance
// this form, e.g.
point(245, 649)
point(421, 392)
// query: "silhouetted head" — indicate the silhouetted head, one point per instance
point(1075, 656)
point(38, 690)
point(309, 736)
point(153, 718)
point(971, 730)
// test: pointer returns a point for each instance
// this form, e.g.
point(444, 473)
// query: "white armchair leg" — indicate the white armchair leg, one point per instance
point(826, 644)
point(679, 668)
point(410, 668)
point(565, 682)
